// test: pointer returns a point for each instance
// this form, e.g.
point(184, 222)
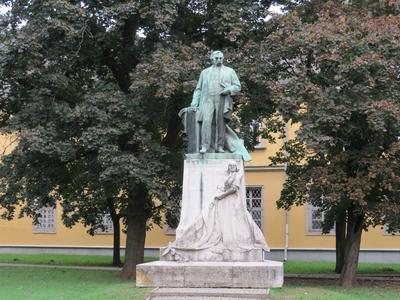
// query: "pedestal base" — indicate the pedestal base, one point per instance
point(260, 275)
point(207, 294)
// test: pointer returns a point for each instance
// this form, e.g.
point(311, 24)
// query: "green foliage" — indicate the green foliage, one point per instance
point(339, 77)
point(65, 77)
point(92, 90)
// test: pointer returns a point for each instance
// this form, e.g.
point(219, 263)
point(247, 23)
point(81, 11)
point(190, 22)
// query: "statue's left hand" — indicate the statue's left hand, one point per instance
point(225, 92)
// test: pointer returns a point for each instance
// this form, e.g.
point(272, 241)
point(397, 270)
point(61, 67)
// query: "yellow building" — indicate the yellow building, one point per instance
point(293, 235)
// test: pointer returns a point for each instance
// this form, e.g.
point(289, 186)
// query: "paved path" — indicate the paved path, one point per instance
point(366, 277)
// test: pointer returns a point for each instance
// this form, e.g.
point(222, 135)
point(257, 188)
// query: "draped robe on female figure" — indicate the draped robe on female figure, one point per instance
point(224, 224)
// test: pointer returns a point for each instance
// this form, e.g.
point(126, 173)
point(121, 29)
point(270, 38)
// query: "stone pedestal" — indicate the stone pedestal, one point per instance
point(169, 274)
point(201, 176)
point(200, 264)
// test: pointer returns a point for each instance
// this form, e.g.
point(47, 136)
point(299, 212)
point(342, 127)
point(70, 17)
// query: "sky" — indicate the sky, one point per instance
point(3, 9)
point(277, 9)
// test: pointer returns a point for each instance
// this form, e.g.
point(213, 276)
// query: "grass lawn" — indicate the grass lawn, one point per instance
point(37, 283)
point(328, 291)
point(61, 259)
point(46, 284)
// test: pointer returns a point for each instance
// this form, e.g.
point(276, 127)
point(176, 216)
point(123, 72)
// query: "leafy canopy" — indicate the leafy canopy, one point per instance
point(338, 77)
point(92, 90)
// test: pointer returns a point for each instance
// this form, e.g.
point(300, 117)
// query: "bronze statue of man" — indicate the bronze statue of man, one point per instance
point(212, 96)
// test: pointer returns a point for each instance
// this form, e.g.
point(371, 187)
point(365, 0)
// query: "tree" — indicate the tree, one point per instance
point(93, 88)
point(65, 76)
point(337, 67)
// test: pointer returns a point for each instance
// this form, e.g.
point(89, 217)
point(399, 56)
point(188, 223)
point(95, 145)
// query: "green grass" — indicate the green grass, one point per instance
point(60, 259)
point(38, 283)
point(47, 284)
point(309, 291)
point(304, 267)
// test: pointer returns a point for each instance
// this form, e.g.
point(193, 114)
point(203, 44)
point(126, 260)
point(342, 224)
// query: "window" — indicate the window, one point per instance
point(107, 224)
point(315, 219)
point(254, 204)
point(393, 218)
point(46, 221)
point(386, 232)
point(256, 127)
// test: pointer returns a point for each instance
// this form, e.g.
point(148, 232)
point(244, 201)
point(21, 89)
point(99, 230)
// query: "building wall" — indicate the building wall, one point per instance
point(299, 237)
point(271, 183)
point(259, 173)
point(20, 232)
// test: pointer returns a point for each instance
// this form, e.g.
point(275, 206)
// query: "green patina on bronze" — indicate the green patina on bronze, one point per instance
point(206, 120)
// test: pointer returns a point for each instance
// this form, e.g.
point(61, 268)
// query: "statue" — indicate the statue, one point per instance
point(224, 226)
point(212, 95)
point(218, 244)
point(206, 120)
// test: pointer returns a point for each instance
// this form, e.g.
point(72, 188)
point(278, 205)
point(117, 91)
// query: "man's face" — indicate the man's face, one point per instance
point(217, 59)
point(232, 168)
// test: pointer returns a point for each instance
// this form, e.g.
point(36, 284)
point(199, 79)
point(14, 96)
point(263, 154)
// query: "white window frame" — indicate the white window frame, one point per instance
point(37, 229)
point(386, 233)
point(108, 229)
point(261, 202)
point(309, 219)
point(261, 144)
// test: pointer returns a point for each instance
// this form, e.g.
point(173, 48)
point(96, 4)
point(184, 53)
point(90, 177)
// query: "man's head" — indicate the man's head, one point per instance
point(232, 167)
point(217, 57)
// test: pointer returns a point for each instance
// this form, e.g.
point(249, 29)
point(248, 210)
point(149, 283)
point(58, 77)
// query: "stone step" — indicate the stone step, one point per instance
point(199, 298)
point(207, 294)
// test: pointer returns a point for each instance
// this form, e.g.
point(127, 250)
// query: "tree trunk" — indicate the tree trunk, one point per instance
point(117, 242)
point(352, 249)
point(117, 233)
point(340, 231)
point(136, 218)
